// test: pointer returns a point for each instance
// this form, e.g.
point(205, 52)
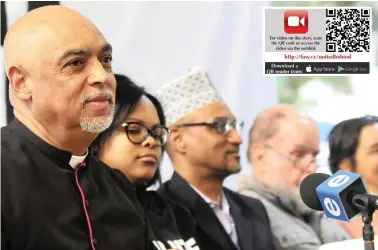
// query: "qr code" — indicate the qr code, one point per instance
point(348, 30)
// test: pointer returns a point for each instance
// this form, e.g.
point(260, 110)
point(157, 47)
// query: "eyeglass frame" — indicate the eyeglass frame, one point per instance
point(125, 125)
point(215, 124)
point(292, 159)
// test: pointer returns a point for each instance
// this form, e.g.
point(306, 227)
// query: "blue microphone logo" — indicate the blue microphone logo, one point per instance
point(332, 194)
point(339, 180)
point(332, 207)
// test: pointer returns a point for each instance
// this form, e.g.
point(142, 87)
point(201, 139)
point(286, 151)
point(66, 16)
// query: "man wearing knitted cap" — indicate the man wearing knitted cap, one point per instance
point(204, 149)
point(54, 193)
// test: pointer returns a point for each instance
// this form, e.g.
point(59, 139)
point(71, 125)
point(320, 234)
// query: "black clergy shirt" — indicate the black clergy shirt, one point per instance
point(47, 204)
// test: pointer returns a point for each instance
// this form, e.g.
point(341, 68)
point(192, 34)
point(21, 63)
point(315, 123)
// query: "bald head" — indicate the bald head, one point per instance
point(283, 148)
point(269, 122)
point(30, 36)
point(57, 63)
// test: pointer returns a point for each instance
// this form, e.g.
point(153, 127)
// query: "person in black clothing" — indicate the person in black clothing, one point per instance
point(134, 145)
point(204, 149)
point(54, 193)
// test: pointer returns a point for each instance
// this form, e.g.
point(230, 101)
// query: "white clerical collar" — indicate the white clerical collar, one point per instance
point(76, 160)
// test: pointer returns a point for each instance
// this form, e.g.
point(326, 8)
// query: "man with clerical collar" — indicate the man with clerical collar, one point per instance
point(55, 194)
point(204, 149)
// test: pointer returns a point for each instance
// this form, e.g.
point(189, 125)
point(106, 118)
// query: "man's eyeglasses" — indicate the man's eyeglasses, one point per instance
point(303, 161)
point(138, 133)
point(222, 125)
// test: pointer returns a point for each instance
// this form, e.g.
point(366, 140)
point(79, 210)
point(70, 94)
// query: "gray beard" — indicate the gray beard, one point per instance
point(299, 205)
point(296, 201)
point(292, 199)
point(96, 125)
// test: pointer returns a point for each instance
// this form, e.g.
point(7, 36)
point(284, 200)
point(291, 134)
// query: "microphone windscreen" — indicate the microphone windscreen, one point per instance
point(308, 190)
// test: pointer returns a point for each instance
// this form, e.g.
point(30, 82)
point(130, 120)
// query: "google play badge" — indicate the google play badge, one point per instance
point(339, 68)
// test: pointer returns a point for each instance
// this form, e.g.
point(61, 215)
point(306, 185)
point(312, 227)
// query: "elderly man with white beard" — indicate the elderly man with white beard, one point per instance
point(282, 149)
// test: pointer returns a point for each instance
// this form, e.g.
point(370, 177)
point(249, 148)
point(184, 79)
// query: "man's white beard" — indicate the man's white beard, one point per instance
point(96, 125)
point(293, 194)
point(301, 207)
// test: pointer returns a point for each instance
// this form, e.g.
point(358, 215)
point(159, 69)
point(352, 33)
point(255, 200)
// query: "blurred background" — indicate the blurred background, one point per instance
point(155, 42)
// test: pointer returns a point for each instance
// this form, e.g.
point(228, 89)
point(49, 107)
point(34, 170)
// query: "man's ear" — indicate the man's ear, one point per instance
point(256, 153)
point(346, 165)
point(18, 83)
point(257, 156)
point(176, 141)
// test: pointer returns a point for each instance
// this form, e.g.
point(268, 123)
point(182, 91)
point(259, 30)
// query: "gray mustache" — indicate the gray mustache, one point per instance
point(106, 92)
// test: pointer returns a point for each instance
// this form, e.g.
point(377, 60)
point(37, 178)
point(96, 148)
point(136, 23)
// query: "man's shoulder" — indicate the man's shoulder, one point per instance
point(5, 129)
point(166, 193)
point(14, 151)
point(12, 130)
point(254, 207)
point(174, 187)
point(249, 188)
point(114, 178)
point(179, 204)
point(250, 201)
point(7, 137)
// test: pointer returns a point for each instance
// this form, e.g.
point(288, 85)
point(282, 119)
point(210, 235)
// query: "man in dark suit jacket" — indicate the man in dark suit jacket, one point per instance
point(204, 149)
point(250, 218)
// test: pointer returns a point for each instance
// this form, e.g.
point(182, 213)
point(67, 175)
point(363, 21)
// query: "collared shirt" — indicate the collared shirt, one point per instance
point(222, 211)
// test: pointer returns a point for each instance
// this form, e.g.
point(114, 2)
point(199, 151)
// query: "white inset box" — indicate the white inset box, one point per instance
point(300, 36)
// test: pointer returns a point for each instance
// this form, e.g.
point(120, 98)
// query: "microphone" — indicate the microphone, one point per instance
point(341, 196)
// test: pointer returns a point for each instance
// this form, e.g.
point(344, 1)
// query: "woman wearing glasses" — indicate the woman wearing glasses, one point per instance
point(134, 145)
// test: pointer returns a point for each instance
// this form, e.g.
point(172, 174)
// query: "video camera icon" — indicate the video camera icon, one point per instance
point(293, 21)
point(296, 21)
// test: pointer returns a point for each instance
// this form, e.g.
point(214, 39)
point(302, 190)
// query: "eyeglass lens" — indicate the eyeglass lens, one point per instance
point(224, 126)
point(138, 133)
